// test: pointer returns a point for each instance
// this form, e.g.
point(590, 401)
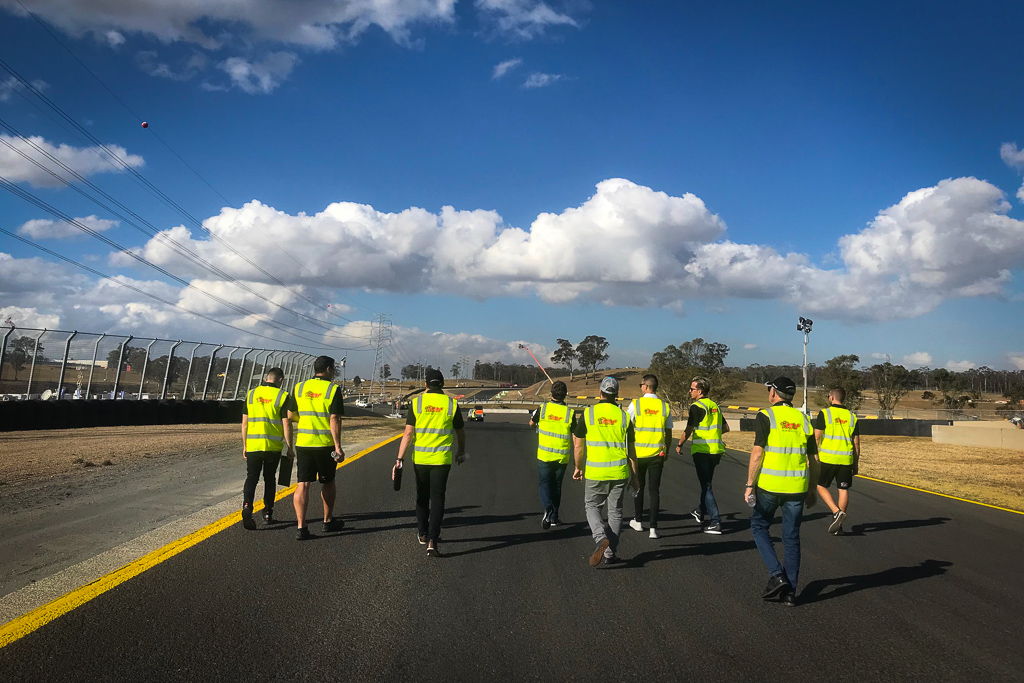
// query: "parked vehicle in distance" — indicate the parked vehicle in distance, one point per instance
point(361, 403)
point(477, 414)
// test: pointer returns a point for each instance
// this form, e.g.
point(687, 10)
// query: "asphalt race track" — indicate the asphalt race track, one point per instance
point(924, 587)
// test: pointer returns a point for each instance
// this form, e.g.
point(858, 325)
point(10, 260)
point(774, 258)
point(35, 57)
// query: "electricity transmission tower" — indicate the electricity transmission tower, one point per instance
point(381, 334)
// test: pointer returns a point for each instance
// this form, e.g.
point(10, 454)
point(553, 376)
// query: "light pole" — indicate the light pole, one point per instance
point(805, 326)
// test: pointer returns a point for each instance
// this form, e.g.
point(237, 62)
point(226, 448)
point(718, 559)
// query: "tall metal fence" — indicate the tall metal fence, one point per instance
point(70, 364)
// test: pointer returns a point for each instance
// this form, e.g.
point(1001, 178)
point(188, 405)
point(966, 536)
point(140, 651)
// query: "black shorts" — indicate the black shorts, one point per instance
point(315, 464)
point(843, 474)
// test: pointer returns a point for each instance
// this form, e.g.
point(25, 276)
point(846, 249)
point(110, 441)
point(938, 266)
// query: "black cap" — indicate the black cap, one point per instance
point(784, 385)
point(559, 390)
point(434, 377)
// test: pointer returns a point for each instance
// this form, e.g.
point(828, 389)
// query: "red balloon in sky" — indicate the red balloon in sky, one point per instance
point(145, 124)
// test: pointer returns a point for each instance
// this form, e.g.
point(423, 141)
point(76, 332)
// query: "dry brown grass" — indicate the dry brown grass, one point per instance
point(44, 453)
point(989, 475)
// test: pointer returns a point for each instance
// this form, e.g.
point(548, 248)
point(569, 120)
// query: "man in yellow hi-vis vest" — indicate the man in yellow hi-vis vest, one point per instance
point(706, 424)
point(553, 421)
point(837, 433)
point(652, 424)
point(605, 429)
point(782, 467)
point(318, 443)
point(266, 429)
point(434, 428)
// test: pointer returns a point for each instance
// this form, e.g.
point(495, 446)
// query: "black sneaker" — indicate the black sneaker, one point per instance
point(333, 525)
point(695, 513)
point(302, 534)
point(598, 555)
point(776, 585)
point(545, 522)
point(432, 551)
point(788, 599)
point(268, 515)
point(610, 561)
point(713, 528)
point(247, 520)
point(837, 522)
point(422, 538)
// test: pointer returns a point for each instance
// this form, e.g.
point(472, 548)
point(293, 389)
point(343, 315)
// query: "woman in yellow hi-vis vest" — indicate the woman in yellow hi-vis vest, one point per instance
point(606, 430)
point(782, 467)
point(434, 428)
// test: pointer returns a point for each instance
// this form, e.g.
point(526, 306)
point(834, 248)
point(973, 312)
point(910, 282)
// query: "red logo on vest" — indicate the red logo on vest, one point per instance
point(433, 409)
point(790, 425)
point(651, 411)
point(310, 394)
point(265, 400)
point(841, 421)
point(606, 421)
point(553, 418)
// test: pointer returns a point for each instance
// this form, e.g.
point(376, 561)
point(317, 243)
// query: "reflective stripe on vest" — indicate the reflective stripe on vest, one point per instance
point(837, 440)
point(264, 431)
point(784, 468)
point(314, 397)
point(707, 435)
point(650, 415)
point(606, 442)
point(435, 435)
point(554, 437)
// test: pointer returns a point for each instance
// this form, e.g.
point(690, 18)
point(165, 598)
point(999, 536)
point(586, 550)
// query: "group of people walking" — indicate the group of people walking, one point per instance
point(612, 450)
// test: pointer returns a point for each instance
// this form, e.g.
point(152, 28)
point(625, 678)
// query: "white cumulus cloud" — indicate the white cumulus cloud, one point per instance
point(960, 365)
point(85, 160)
point(523, 18)
point(750, 347)
point(918, 359)
point(10, 85)
point(502, 68)
point(44, 228)
point(1016, 360)
point(262, 76)
point(541, 80)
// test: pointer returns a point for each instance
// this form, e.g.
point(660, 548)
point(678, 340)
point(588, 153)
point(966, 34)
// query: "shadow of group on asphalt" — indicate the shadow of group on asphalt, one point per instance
point(826, 589)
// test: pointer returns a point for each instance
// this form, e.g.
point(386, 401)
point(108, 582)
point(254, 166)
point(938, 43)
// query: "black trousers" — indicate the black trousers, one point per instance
point(257, 462)
point(431, 484)
point(648, 470)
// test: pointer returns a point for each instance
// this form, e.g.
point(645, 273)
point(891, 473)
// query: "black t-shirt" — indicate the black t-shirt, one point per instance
point(410, 417)
point(819, 421)
point(762, 425)
point(695, 416)
point(579, 428)
point(289, 402)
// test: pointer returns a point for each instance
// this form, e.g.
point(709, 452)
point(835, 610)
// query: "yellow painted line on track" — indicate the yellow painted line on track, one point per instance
point(944, 495)
point(29, 622)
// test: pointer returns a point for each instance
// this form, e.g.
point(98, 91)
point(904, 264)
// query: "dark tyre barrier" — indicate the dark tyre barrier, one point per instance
point(877, 427)
point(67, 414)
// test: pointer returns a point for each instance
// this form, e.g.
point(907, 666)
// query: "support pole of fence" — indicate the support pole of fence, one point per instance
point(64, 363)
point(241, 371)
point(142, 383)
point(120, 363)
point(224, 379)
point(167, 369)
point(209, 370)
point(255, 362)
point(3, 349)
point(188, 373)
point(92, 368)
point(32, 368)
point(293, 370)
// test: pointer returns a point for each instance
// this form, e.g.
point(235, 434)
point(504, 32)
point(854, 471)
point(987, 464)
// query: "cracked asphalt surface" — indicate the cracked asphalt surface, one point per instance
point(924, 587)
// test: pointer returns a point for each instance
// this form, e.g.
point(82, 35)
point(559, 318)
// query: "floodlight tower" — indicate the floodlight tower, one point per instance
point(805, 326)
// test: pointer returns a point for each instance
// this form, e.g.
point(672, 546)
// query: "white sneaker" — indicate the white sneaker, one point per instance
point(654, 533)
point(635, 525)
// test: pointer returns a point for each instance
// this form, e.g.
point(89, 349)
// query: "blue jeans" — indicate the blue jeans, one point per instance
point(705, 463)
point(549, 483)
point(761, 518)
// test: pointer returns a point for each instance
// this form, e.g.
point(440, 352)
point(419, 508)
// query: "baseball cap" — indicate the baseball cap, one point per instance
point(783, 385)
point(559, 390)
point(610, 386)
point(434, 376)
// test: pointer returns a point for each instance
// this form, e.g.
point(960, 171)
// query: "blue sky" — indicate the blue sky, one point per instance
point(646, 171)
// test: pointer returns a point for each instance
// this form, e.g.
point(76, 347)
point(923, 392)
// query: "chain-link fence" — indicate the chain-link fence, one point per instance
point(60, 364)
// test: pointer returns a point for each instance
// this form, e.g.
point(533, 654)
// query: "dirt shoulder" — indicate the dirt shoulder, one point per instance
point(33, 455)
point(989, 475)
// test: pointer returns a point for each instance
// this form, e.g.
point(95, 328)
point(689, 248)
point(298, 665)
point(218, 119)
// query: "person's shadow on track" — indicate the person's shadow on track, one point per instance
point(561, 532)
point(874, 527)
point(816, 591)
point(689, 550)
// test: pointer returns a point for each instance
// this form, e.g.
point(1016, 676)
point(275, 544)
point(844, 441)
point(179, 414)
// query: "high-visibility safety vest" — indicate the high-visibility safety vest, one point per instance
point(837, 441)
point(314, 397)
point(435, 434)
point(707, 436)
point(554, 433)
point(263, 430)
point(606, 442)
point(784, 468)
point(650, 415)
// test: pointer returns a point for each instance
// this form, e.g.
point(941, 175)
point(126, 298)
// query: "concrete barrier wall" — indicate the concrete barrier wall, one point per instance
point(978, 434)
point(24, 415)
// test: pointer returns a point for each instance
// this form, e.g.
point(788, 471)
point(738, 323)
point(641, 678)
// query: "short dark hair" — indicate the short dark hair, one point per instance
point(703, 384)
point(274, 375)
point(559, 390)
point(838, 393)
point(651, 381)
point(322, 364)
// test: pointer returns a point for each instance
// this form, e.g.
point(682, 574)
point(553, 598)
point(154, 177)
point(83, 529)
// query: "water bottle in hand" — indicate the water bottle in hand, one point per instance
point(750, 498)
